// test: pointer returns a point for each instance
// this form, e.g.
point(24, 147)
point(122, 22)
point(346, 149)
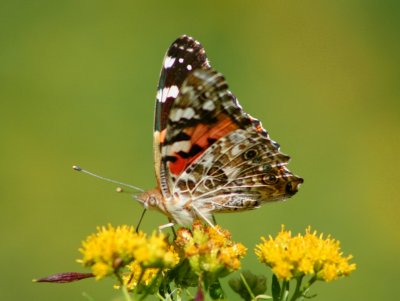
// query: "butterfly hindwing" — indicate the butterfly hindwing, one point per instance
point(217, 155)
point(240, 171)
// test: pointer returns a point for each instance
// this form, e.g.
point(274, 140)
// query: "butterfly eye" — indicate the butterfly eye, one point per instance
point(269, 179)
point(152, 202)
point(250, 154)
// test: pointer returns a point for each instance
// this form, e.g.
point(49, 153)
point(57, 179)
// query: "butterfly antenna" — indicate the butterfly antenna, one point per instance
point(119, 189)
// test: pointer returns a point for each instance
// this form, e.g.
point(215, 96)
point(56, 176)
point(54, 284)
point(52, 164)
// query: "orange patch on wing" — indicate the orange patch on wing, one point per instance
point(178, 166)
point(200, 135)
point(162, 135)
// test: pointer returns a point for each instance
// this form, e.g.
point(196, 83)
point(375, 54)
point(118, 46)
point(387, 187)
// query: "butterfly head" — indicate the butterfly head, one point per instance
point(151, 199)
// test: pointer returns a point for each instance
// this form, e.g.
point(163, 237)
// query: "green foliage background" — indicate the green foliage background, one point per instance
point(77, 86)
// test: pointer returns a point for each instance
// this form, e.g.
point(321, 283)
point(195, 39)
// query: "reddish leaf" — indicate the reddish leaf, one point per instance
point(65, 277)
point(199, 294)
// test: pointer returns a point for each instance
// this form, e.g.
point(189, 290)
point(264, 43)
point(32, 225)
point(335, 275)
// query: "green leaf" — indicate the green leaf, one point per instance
point(183, 276)
point(276, 288)
point(250, 286)
point(216, 292)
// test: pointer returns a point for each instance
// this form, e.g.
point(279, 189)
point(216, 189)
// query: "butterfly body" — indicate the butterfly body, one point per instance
point(210, 155)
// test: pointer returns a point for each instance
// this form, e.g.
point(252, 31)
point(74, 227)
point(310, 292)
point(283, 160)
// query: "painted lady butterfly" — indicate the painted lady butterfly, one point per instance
point(210, 156)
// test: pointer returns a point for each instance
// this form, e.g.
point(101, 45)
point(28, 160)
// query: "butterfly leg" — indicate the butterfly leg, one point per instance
point(172, 228)
point(214, 220)
point(200, 214)
point(171, 225)
point(140, 220)
point(162, 227)
point(205, 218)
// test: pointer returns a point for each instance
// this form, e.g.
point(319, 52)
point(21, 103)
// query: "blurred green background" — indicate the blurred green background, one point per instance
point(77, 86)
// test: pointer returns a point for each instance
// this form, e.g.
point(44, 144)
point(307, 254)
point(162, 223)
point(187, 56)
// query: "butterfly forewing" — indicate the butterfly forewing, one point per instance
point(201, 114)
point(183, 56)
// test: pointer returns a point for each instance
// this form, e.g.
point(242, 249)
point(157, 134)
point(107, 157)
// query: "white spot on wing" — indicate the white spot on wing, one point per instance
point(168, 62)
point(236, 150)
point(172, 91)
point(188, 113)
point(180, 60)
point(180, 146)
point(209, 105)
point(237, 136)
point(189, 67)
point(159, 92)
point(177, 114)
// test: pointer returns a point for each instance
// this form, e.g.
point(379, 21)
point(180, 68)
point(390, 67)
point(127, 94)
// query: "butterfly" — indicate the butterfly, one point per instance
point(210, 156)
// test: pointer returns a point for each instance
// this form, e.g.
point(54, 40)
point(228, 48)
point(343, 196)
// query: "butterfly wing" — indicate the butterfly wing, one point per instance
point(210, 155)
point(227, 162)
point(183, 56)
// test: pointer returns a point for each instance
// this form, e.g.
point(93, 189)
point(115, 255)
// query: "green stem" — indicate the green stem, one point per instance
point(308, 284)
point(188, 293)
point(306, 287)
point(312, 280)
point(126, 293)
point(119, 278)
point(284, 291)
point(297, 292)
point(159, 296)
point(247, 287)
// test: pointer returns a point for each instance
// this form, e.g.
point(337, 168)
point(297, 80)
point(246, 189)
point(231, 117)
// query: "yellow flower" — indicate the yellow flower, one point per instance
point(111, 249)
point(210, 249)
point(139, 276)
point(156, 253)
point(101, 269)
point(291, 257)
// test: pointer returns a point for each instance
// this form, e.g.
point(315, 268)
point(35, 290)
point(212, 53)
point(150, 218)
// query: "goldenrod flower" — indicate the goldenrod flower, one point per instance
point(156, 253)
point(140, 277)
point(291, 257)
point(112, 249)
point(210, 250)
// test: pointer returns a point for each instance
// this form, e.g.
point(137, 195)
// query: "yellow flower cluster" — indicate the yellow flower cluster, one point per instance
point(210, 249)
point(111, 249)
point(292, 257)
point(138, 276)
point(156, 252)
